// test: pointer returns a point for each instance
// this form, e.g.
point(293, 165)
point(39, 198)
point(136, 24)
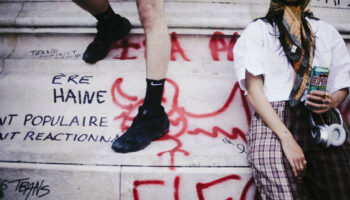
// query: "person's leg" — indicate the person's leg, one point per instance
point(266, 159)
point(110, 28)
point(152, 122)
point(153, 19)
point(327, 174)
point(94, 7)
point(328, 171)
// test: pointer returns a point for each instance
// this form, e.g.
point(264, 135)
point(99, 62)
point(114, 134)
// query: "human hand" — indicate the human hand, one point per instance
point(321, 101)
point(295, 156)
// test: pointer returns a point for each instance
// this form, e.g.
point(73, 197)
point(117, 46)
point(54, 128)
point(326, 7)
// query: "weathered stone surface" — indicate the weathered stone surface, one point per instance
point(42, 75)
point(187, 183)
point(59, 182)
point(36, 93)
point(233, 15)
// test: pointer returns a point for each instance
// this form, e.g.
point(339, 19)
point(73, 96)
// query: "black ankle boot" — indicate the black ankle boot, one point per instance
point(108, 31)
point(146, 127)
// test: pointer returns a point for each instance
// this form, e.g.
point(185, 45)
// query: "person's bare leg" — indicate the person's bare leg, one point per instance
point(153, 19)
point(151, 122)
point(94, 7)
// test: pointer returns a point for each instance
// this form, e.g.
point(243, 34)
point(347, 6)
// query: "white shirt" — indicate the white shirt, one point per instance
point(259, 51)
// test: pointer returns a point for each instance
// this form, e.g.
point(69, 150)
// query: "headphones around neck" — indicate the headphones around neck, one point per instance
point(327, 135)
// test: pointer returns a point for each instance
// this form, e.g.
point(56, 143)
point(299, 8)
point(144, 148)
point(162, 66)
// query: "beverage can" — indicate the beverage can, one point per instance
point(318, 80)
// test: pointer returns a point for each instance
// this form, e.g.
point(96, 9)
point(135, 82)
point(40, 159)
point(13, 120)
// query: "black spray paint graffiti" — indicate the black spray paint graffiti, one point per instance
point(61, 95)
point(55, 53)
point(237, 146)
point(26, 187)
point(56, 137)
point(36, 121)
point(336, 2)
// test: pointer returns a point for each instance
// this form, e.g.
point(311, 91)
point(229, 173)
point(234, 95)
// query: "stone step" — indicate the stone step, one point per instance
point(54, 117)
point(33, 16)
point(43, 80)
point(60, 182)
point(203, 155)
point(213, 46)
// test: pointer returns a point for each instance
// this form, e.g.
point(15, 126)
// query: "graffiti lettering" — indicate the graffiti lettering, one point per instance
point(73, 96)
point(78, 97)
point(239, 146)
point(146, 182)
point(219, 44)
point(125, 45)
point(176, 48)
point(75, 79)
point(55, 53)
point(336, 2)
point(26, 187)
point(200, 187)
point(50, 120)
point(11, 135)
point(8, 119)
point(66, 137)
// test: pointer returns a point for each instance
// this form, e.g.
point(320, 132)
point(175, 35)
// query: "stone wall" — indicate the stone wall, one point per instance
point(59, 115)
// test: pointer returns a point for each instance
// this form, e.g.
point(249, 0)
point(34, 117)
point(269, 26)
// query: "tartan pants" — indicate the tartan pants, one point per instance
point(328, 169)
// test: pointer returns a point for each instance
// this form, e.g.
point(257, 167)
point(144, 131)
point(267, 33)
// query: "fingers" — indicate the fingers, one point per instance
point(294, 169)
point(320, 100)
point(319, 93)
point(299, 167)
point(317, 105)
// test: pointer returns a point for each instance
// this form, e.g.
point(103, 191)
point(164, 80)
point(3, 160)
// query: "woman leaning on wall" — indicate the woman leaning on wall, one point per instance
point(295, 70)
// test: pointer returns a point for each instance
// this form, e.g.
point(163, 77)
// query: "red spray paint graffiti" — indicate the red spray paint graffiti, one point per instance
point(200, 187)
point(125, 45)
point(146, 182)
point(176, 188)
point(176, 48)
point(218, 44)
point(178, 116)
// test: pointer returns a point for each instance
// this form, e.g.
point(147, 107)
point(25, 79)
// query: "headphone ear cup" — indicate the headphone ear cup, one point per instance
point(325, 136)
point(337, 135)
point(320, 133)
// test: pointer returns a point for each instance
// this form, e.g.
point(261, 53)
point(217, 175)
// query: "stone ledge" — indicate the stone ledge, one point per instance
point(179, 14)
point(60, 182)
point(199, 120)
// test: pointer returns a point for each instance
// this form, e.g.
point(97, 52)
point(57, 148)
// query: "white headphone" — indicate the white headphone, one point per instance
point(325, 135)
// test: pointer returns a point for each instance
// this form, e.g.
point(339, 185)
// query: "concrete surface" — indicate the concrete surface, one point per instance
point(42, 74)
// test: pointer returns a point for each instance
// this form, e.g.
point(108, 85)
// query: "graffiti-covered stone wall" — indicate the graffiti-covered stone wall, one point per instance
point(60, 115)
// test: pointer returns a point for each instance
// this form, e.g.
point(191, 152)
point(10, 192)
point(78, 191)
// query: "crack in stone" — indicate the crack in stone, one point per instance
point(19, 12)
point(14, 48)
point(13, 24)
point(2, 64)
point(120, 184)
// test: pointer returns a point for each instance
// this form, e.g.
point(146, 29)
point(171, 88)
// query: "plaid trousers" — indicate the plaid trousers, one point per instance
point(328, 169)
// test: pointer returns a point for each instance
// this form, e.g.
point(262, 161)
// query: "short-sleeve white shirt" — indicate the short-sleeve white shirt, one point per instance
point(259, 51)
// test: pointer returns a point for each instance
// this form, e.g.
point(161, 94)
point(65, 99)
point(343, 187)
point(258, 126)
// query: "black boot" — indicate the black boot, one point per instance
point(1, 192)
point(146, 127)
point(108, 31)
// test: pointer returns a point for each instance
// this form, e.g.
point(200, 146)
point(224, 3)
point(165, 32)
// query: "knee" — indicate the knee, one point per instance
point(148, 12)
